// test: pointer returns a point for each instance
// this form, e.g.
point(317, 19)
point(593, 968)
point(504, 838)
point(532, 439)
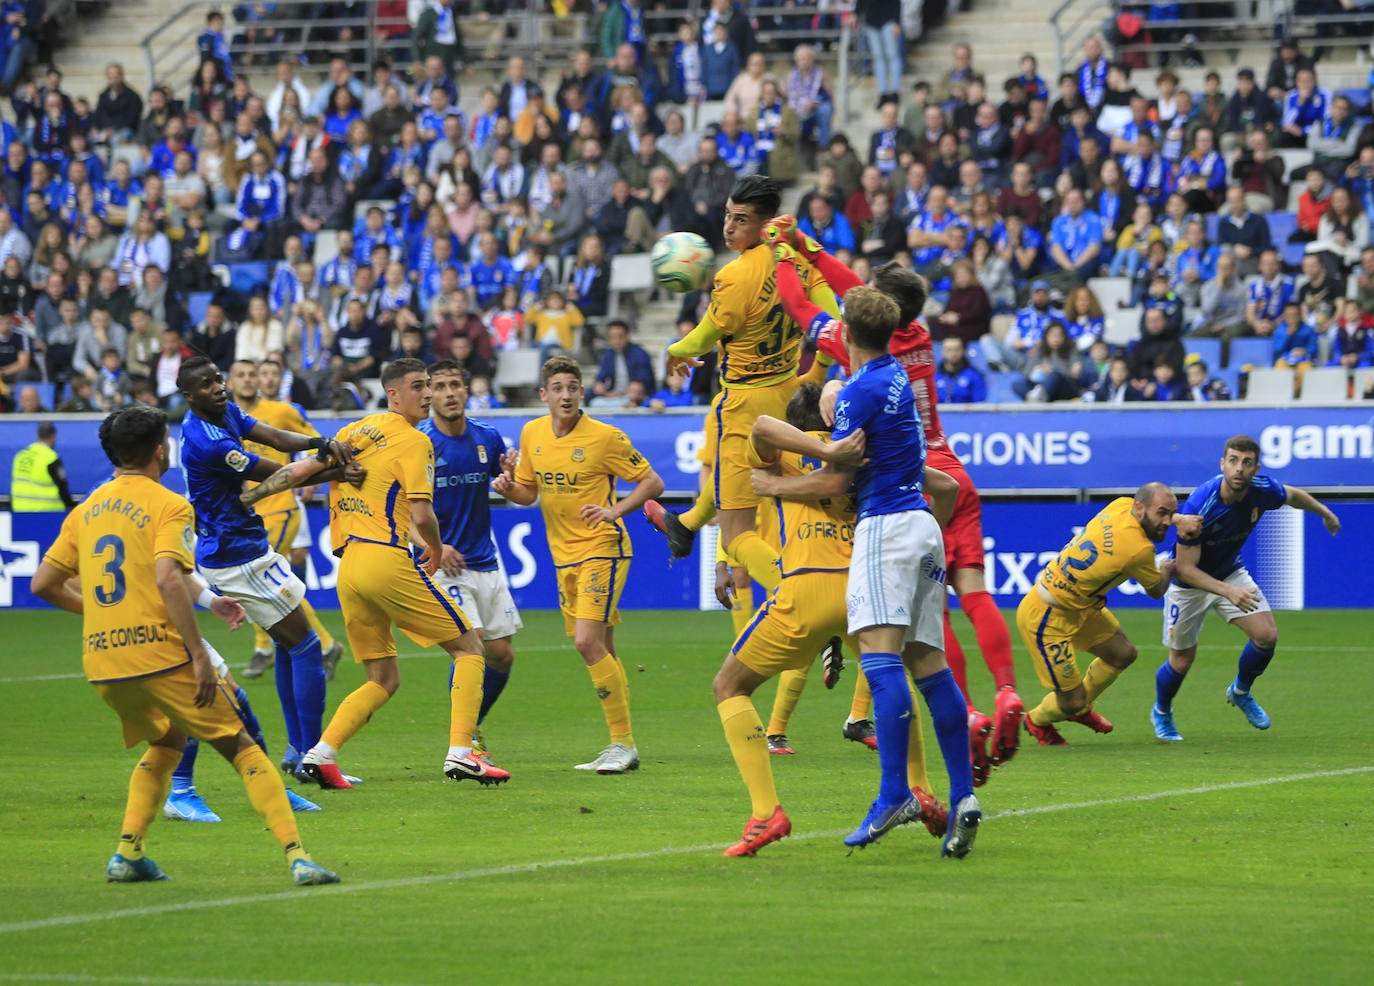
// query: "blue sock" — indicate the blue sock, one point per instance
point(307, 670)
point(183, 778)
point(949, 715)
point(1253, 661)
point(250, 720)
point(299, 571)
point(1167, 683)
point(493, 683)
point(892, 720)
point(286, 694)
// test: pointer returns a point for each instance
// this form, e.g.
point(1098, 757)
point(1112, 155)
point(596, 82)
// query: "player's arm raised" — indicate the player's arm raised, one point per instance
point(302, 472)
point(1305, 501)
point(290, 441)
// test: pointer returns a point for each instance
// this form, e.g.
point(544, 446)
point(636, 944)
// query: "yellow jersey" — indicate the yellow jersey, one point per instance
point(400, 467)
point(760, 344)
point(815, 535)
point(575, 470)
point(1111, 549)
point(112, 540)
point(284, 417)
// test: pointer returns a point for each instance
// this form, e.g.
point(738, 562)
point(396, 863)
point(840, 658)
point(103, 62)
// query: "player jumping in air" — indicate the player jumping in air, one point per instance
point(1209, 573)
point(131, 545)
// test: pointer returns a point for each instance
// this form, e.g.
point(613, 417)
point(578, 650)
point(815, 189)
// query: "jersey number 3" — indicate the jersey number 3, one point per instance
point(113, 592)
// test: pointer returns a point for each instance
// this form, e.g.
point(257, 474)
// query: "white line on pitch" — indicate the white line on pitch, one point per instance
point(77, 978)
point(66, 920)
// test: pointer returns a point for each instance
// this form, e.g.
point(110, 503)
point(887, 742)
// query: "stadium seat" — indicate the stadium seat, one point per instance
point(1000, 388)
point(1001, 325)
point(326, 247)
point(976, 358)
point(196, 303)
point(1122, 326)
point(1110, 290)
point(1295, 190)
point(630, 272)
point(1359, 99)
point(249, 276)
point(1213, 221)
point(1270, 386)
point(517, 369)
point(1364, 380)
point(1291, 253)
point(386, 205)
point(1232, 380)
point(1250, 352)
point(1208, 349)
point(1294, 158)
point(1326, 385)
point(1281, 226)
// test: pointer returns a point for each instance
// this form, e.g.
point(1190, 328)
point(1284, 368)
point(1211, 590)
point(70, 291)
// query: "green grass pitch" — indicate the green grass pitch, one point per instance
point(1234, 857)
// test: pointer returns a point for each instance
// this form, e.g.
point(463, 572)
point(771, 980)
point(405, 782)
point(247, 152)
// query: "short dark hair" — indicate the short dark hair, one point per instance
point(764, 194)
point(131, 435)
point(1242, 443)
point(190, 368)
point(46, 430)
point(399, 369)
point(555, 365)
point(451, 366)
point(904, 286)
point(804, 409)
point(871, 316)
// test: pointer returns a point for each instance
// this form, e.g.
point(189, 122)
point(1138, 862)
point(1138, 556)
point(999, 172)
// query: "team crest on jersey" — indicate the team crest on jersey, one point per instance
point(578, 455)
point(482, 454)
point(1254, 515)
point(188, 538)
point(236, 460)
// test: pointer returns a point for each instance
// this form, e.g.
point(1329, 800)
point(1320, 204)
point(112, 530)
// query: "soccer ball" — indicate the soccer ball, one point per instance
point(682, 261)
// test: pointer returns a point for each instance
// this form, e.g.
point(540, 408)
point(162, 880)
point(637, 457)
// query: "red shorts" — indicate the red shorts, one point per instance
point(964, 535)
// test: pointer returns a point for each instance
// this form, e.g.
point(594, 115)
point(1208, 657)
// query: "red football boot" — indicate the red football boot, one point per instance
point(979, 729)
point(934, 816)
point(758, 834)
point(1006, 732)
point(1093, 720)
point(1044, 735)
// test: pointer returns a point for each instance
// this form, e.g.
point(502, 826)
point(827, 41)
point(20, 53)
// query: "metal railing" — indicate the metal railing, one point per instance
point(1232, 24)
point(545, 39)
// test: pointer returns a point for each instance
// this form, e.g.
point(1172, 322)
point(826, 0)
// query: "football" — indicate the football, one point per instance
point(682, 261)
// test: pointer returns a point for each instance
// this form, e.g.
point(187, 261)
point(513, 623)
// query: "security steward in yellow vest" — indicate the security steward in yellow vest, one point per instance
point(39, 480)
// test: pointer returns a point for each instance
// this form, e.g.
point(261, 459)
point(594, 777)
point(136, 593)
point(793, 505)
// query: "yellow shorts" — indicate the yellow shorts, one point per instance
point(149, 707)
point(590, 590)
point(706, 455)
point(729, 425)
point(1053, 635)
point(380, 585)
point(791, 627)
point(282, 528)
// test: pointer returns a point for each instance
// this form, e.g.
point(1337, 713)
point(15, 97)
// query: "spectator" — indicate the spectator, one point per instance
point(687, 83)
point(827, 226)
point(554, 324)
point(456, 320)
point(1194, 264)
point(1157, 342)
point(994, 274)
point(848, 169)
point(1082, 317)
point(1268, 294)
point(708, 183)
point(16, 353)
point(321, 199)
point(968, 311)
point(1037, 144)
point(1283, 71)
point(1092, 74)
point(720, 62)
point(623, 225)
point(640, 166)
point(1028, 329)
point(1334, 140)
point(622, 363)
point(1294, 341)
point(1344, 227)
point(926, 234)
point(1248, 110)
point(489, 274)
point(260, 334)
point(118, 110)
point(1166, 382)
point(1133, 244)
point(13, 242)
point(1202, 174)
point(564, 219)
point(1202, 386)
point(777, 137)
point(673, 393)
point(359, 347)
point(1082, 130)
point(667, 204)
point(883, 31)
point(216, 337)
point(1222, 309)
point(1319, 294)
point(1147, 174)
point(1242, 233)
point(1360, 284)
point(888, 141)
point(679, 143)
point(592, 177)
point(1055, 368)
point(163, 369)
point(736, 145)
point(588, 284)
point(261, 202)
point(1116, 387)
point(1069, 98)
point(808, 95)
point(956, 380)
point(111, 380)
point(738, 28)
point(339, 76)
point(882, 236)
point(1304, 108)
point(1260, 173)
point(746, 90)
point(1352, 342)
point(1160, 294)
point(1075, 242)
point(990, 145)
point(438, 35)
point(80, 398)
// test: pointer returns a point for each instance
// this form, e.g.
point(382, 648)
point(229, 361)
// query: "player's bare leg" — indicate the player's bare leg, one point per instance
point(1113, 656)
point(321, 761)
point(595, 642)
point(500, 659)
point(734, 683)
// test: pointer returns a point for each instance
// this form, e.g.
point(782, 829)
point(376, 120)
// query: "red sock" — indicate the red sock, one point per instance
point(954, 655)
point(993, 639)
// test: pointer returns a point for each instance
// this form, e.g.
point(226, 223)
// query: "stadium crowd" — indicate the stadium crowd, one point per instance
point(368, 218)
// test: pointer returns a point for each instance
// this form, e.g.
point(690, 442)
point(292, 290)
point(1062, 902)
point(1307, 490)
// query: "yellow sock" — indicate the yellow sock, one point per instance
point(326, 638)
point(1098, 678)
point(757, 555)
point(916, 775)
point(743, 610)
point(353, 713)
point(701, 512)
point(749, 747)
point(268, 797)
point(465, 698)
point(613, 689)
point(1048, 711)
point(861, 707)
point(790, 686)
point(148, 786)
point(262, 642)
